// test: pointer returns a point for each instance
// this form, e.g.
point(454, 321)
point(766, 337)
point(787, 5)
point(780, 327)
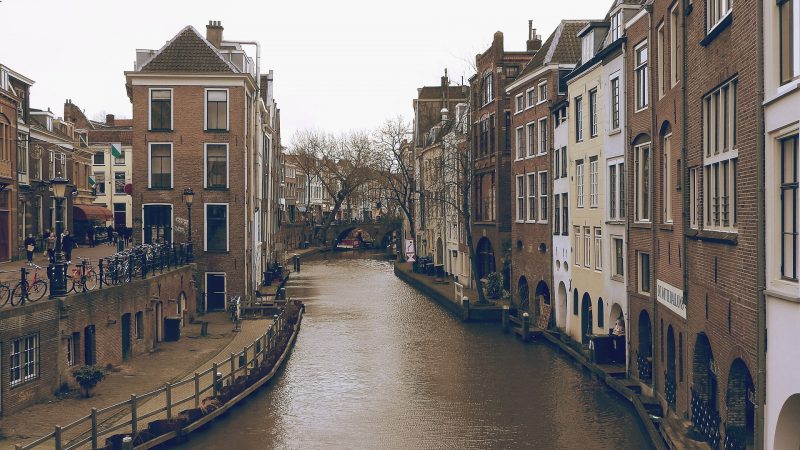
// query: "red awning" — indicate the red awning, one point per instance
point(91, 213)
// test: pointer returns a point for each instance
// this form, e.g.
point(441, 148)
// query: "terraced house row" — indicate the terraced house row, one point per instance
point(635, 179)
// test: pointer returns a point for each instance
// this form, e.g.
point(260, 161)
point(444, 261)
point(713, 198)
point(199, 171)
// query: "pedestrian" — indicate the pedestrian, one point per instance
point(30, 246)
point(110, 231)
point(51, 246)
point(45, 239)
point(66, 246)
point(90, 233)
point(128, 235)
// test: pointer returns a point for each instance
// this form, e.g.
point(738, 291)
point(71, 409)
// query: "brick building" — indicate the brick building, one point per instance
point(535, 219)
point(204, 118)
point(491, 110)
point(14, 90)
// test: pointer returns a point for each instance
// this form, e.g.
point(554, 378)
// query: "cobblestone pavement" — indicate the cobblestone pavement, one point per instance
point(172, 361)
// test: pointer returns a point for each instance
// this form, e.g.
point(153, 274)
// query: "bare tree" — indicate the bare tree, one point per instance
point(396, 159)
point(341, 163)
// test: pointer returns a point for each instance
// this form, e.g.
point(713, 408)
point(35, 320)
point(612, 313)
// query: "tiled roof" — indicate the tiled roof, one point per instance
point(188, 51)
point(563, 46)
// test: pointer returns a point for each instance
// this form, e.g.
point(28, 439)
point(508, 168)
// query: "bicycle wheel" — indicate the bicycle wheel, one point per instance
point(91, 280)
point(16, 294)
point(37, 290)
point(5, 294)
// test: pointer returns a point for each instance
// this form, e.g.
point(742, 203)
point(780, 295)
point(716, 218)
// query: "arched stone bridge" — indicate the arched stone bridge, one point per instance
point(379, 232)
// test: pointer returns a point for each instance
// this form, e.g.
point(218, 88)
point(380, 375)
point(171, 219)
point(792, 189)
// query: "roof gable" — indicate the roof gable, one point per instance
point(188, 51)
point(561, 47)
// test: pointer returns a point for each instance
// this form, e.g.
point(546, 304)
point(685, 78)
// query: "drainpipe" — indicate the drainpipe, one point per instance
point(654, 135)
point(687, 201)
point(761, 325)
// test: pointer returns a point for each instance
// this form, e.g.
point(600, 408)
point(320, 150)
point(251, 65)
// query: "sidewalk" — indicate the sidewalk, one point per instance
point(172, 361)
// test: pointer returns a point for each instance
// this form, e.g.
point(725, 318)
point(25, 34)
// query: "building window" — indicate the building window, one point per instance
point(598, 249)
point(593, 113)
point(787, 31)
point(720, 128)
point(642, 173)
point(543, 136)
point(543, 189)
point(139, 318)
point(531, 197)
point(675, 62)
point(216, 166)
point(641, 76)
point(119, 182)
point(160, 166)
point(563, 161)
point(216, 227)
point(216, 109)
point(644, 273)
point(660, 67)
point(520, 142)
point(520, 100)
point(576, 250)
point(543, 92)
point(612, 192)
point(557, 164)
point(99, 158)
point(520, 198)
point(24, 359)
point(716, 10)
point(579, 181)
point(100, 182)
point(619, 258)
point(789, 201)
point(565, 214)
point(615, 103)
point(157, 223)
point(118, 160)
point(556, 214)
point(578, 119)
point(488, 91)
point(615, 27)
point(720, 164)
point(693, 198)
point(71, 345)
point(587, 247)
point(160, 109)
point(593, 194)
point(666, 181)
point(531, 94)
point(58, 164)
point(531, 138)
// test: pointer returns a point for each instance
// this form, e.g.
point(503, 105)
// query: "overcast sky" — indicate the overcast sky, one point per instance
point(339, 65)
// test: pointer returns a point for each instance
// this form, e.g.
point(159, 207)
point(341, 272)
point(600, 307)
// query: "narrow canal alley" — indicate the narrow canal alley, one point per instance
point(379, 365)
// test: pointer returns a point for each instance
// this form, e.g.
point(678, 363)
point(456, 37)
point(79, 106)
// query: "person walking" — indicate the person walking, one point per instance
point(51, 246)
point(110, 230)
point(67, 243)
point(90, 233)
point(30, 246)
point(45, 239)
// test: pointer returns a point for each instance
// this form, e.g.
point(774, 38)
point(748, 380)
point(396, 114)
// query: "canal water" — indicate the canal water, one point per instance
point(379, 365)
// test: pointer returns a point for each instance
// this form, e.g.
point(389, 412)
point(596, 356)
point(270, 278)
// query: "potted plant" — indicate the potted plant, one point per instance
point(494, 285)
point(88, 377)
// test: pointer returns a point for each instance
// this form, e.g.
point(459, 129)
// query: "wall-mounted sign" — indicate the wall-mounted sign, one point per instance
point(671, 297)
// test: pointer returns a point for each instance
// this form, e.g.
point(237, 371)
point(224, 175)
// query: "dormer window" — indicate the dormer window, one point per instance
point(616, 29)
point(587, 47)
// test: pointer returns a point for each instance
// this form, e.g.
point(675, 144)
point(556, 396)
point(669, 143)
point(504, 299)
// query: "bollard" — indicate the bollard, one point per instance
point(127, 443)
point(505, 319)
point(526, 326)
point(465, 308)
point(297, 263)
point(217, 382)
point(281, 294)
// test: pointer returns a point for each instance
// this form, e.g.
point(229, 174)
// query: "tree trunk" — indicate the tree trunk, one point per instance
point(327, 223)
point(471, 245)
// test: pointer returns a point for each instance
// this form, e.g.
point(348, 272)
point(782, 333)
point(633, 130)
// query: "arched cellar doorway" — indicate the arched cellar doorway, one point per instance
point(644, 351)
point(522, 289)
point(739, 402)
point(486, 264)
point(586, 318)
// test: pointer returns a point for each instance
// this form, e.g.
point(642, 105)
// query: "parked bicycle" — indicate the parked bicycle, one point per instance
point(29, 289)
point(5, 289)
point(82, 277)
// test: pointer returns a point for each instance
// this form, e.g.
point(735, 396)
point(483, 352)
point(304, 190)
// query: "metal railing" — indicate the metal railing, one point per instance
point(127, 417)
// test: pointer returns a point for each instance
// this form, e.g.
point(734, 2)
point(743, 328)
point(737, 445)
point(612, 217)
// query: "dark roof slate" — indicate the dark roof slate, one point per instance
point(187, 52)
point(562, 46)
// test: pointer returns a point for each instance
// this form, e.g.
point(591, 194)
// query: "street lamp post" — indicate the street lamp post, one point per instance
point(188, 198)
point(58, 268)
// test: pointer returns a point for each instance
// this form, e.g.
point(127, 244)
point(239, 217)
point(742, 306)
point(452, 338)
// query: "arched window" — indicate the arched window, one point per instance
point(600, 314)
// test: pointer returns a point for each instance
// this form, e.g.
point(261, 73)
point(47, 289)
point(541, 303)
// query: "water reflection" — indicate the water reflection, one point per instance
point(378, 365)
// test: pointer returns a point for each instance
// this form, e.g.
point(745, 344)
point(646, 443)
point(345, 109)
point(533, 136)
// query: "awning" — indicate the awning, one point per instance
point(91, 213)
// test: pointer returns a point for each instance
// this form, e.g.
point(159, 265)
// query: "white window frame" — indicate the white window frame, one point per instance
point(530, 182)
point(541, 88)
point(227, 225)
point(615, 108)
point(227, 164)
point(614, 274)
point(640, 273)
point(675, 45)
point(594, 125)
point(171, 164)
point(660, 66)
point(22, 354)
point(616, 27)
point(543, 136)
point(666, 179)
point(579, 118)
point(641, 191)
point(577, 233)
point(720, 159)
point(530, 98)
point(150, 108)
point(786, 183)
point(598, 249)
point(594, 176)
point(94, 155)
point(587, 247)
point(530, 144)
point(565, 214)
point(785, 85)
point(642, 97)
point(694, 205)
point(519, 103)
point(521, 200)
point(224, 289)
point(579, 169)
point(114, 186)
point(544, 192)
point(712, 19)
point(519, 134)
point(227, 110)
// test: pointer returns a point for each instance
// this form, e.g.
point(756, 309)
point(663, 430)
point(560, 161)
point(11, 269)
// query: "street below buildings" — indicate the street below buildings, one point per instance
point(379, 365)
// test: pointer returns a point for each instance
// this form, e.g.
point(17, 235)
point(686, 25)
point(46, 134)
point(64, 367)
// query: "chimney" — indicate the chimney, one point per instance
point(110, 120)
point(534, 40)
point(214, 33)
